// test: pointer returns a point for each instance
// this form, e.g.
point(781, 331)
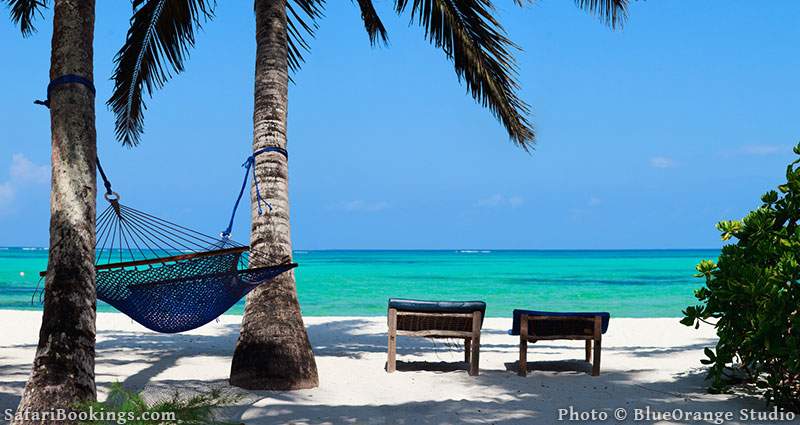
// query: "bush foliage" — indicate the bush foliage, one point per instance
point(752, 297)
point(124, 407)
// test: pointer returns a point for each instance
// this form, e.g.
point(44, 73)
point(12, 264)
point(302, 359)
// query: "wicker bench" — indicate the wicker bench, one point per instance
point(532, 326)
point(437, 319)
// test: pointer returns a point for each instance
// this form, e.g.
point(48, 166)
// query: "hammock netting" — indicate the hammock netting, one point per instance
point(170, 278)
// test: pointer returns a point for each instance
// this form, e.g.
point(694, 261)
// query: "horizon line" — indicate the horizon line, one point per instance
point(462, 250)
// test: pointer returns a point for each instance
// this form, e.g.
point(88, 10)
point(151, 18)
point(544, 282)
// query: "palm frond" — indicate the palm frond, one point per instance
point(469, 35)
point(372, 23)
point(612, 12)
point(24, 12)
point(159, 38)
point(302, 18)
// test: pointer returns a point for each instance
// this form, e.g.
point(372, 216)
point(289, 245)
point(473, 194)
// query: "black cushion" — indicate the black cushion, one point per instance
point(423, 306)
point(605, 317)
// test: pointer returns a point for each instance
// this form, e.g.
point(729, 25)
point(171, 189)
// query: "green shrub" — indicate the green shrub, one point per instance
point(752, 297)
point(126, 407)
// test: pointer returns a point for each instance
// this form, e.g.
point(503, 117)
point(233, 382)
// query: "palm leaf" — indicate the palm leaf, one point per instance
point(301, 16)
point(481, 53)
point(372, 23)
point(24, 12)
point(158, 41)
point(612, 12)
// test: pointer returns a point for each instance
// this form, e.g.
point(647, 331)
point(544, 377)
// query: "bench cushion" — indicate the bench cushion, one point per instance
point(422, 306)
point(518, 313)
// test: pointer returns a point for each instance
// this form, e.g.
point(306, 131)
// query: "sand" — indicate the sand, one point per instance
point(647, 363)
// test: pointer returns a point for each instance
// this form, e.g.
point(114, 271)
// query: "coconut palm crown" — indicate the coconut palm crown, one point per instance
point(162, 32)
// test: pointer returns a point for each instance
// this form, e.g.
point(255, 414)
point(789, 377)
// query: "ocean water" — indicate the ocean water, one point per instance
point(630, 283)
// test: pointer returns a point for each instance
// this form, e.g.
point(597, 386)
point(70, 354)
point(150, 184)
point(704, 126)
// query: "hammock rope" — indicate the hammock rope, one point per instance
point(164, 275)
point(248, 164)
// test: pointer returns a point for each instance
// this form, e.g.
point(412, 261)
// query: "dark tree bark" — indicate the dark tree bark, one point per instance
point(273, 351)
point(63, 369)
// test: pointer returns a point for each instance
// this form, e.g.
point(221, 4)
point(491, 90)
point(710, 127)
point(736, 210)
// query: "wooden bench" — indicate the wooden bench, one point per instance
point(532, 326)
point(432, 319)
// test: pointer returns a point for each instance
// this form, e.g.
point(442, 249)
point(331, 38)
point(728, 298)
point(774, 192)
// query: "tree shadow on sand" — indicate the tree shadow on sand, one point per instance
point(536, 399)
point(12, 382)
point(533, 399)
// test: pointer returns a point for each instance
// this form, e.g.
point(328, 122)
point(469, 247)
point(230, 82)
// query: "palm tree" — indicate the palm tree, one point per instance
point(273, 351)
point(63, 369)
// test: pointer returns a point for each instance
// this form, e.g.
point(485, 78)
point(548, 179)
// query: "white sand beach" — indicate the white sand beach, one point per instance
point(646, 363)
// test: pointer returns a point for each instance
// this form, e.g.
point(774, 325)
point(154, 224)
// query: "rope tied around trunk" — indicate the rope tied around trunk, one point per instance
point(248, 164)
point(62, 80)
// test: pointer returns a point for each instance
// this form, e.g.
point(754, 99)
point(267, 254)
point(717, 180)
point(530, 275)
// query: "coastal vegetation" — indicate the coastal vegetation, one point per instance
point(752, 297)
point(124, 406)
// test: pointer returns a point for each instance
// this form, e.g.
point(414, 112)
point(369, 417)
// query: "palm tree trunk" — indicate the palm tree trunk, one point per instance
point(273, 352)
point(63, 369)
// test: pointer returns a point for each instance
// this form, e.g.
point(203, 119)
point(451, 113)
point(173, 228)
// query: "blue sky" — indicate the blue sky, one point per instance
point(646, 136)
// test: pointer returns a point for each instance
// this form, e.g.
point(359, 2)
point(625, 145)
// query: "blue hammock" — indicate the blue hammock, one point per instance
point(168, 277)
point(180, 295)
point(165, 276)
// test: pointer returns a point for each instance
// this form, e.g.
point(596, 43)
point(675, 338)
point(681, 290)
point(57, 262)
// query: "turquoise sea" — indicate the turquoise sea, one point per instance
point(629, 283)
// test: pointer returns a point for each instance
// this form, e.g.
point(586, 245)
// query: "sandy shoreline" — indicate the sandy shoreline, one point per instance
point(646, 363)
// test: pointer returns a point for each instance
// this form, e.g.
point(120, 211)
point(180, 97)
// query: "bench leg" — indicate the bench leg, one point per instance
point(523, 346)
point(588, 350)
point(523, 357)
point(475, 344)
point(467, 344)
point(598, 336)
point(596, 364)
point(391, 362)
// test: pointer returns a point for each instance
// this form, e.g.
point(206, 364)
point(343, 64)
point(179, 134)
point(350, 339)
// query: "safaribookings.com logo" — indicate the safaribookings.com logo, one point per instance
point(89, 415)
point(650, 415)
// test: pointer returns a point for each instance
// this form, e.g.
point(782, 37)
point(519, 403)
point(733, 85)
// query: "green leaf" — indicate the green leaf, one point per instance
point(710, 354)
point(25, 12)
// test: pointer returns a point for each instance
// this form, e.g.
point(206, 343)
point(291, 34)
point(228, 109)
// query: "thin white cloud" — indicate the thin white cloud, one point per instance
point(361, 206)
point(492, 201)
point(500, 200)
point(6, 194)
point(22, 171)
point(25, 171)
point(662, 162)
point(761, 150)
point(581, 212)
point(757, 149)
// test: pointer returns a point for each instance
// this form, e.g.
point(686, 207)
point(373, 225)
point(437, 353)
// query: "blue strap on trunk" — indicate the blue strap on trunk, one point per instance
point(65, 79)
point(76, 79)
point(248, 164)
